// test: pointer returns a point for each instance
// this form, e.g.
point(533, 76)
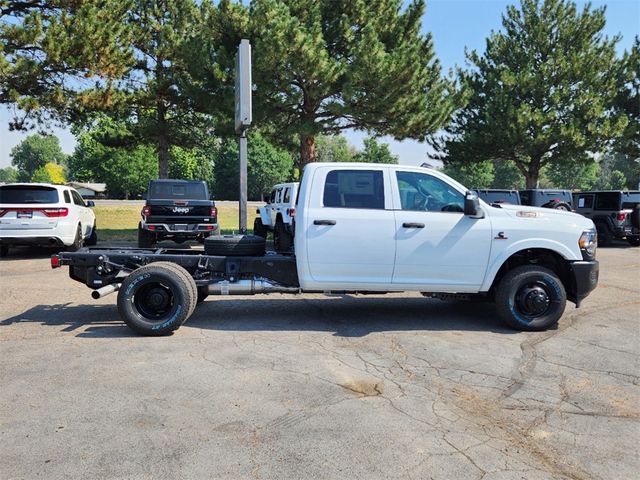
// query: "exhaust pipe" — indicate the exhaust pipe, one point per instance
point(106, 290)
point(248, 287)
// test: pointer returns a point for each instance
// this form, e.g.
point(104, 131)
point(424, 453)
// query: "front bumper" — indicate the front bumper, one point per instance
point(584, 279)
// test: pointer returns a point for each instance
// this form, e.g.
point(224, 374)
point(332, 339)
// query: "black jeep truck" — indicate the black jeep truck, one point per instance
point(615, 213)
point(178, 210)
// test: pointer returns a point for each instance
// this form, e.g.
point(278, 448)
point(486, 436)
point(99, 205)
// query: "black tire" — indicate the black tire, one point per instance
point(635, 217)
point(235, 245)
point(146, 239)
point(78, 241)
point(92, 239)
point(530, 298)
point(604, 234)
point(202, 295)
point(4, 250)
point(282, 239)
point(154, 300)
point(259, 229)
point(562, 206)
point(186, 276)
point(634, 241)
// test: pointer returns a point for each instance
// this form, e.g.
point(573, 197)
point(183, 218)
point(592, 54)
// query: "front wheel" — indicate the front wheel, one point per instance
point(282, 239)
point(259, 229)
point(157, 298)
point(531, 298)
point(604, 234)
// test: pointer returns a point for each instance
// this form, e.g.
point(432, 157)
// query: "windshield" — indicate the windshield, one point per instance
point(16, 194)
point(178, 191)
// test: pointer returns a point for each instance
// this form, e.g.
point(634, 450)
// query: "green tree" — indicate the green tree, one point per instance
point(507, 175)
point(375, 152)
point(471, 175)
point(267, 166)
point(580, 174)
point(542, 92)
point(325, 66)
point(334, 148)
point(193, 164)
point(49, 173)
point(52, 53)
point(628, 103)
point(35, 152)
point(8, 175)
point(126, 171)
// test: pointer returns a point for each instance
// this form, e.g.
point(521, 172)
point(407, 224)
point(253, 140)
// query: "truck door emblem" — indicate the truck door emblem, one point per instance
point(501, 236)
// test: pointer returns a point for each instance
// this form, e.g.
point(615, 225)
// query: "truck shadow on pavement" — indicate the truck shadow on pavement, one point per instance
point(348, 316)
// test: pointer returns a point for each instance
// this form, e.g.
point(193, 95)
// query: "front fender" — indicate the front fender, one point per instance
point(525, 244)
point(264, 216)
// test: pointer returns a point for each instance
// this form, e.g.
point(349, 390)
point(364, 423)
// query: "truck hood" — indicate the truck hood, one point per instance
point(546, 214)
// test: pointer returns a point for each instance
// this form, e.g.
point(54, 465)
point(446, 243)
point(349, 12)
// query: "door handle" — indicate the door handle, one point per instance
point(324, 222)
point(412, 225)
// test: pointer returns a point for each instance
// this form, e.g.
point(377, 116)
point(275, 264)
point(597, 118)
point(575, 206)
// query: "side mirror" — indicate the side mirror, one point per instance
point(472, 205)
point(91, 203)
point(267, 198)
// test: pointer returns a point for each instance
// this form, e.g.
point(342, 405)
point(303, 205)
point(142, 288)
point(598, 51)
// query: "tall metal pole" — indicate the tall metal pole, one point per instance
point(242, 141)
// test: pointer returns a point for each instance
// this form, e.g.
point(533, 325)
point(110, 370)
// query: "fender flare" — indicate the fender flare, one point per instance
point(526, 244)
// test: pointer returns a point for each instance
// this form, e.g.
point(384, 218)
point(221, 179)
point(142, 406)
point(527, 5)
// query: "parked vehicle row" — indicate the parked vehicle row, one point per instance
point(546, 198)
point(277, 216)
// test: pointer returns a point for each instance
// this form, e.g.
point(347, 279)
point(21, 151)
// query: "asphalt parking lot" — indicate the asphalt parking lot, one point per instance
point(315, 387)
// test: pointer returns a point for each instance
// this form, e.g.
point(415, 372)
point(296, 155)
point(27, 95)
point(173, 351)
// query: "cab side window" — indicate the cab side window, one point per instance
point(273, 196)
point(354, 189)
point(585, 201)
point(287, 195)
point(77, 199)
point(426, 193)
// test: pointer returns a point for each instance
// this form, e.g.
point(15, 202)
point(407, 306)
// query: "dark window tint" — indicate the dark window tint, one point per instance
point(27, 194)
point(585, 201)
point(273, 197)
point(77, 199)
point(287, 195)
point(500, 196)
point(608, 201)
point(67, 198)
point(354, 189)
point(422, 192)
point(525, 198)
point(630, 200)
point(177, 191)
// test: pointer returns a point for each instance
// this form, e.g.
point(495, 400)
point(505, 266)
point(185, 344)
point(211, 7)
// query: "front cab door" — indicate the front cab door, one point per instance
point(437, 247)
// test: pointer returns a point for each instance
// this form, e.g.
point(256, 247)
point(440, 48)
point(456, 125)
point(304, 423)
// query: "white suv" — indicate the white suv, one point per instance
point(277, 215)
point(44, 214)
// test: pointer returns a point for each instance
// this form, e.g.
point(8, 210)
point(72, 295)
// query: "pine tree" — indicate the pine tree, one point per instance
point(324, 66)
point(542, 92)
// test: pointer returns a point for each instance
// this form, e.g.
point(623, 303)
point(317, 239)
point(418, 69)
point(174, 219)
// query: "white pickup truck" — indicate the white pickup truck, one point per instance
point(363, 228)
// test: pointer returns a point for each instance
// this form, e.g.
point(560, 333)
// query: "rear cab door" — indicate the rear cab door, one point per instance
point(348, 239)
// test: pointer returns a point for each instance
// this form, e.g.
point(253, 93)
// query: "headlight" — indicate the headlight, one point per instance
point(588, 243)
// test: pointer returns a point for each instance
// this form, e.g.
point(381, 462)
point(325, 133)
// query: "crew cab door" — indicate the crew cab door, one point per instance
point(350, 228)
point(438, 247)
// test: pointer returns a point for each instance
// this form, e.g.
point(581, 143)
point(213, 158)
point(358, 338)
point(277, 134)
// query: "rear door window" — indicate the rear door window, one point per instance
point(67, 198)
point(354, 189)
point(287, 195)
point(608, 201)
point(177, 191)
point(77, 199)
point(17, 194)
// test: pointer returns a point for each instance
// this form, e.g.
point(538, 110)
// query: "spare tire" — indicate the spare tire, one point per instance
point(235, 245)
point(635, 217)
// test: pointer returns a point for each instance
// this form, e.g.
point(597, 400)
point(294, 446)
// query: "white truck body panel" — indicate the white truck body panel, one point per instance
point(370, 249)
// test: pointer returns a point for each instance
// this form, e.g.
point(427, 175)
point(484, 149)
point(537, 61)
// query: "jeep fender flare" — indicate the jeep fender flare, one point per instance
point(527, 244)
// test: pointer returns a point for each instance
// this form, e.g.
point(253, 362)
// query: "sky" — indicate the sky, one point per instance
point(454, 25)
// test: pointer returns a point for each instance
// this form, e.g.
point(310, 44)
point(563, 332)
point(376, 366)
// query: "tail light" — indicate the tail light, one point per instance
point(55, 261)
point(622, 216)
point(214, 212)
point(291, 212)
point(146, 211)
point(55, 212)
